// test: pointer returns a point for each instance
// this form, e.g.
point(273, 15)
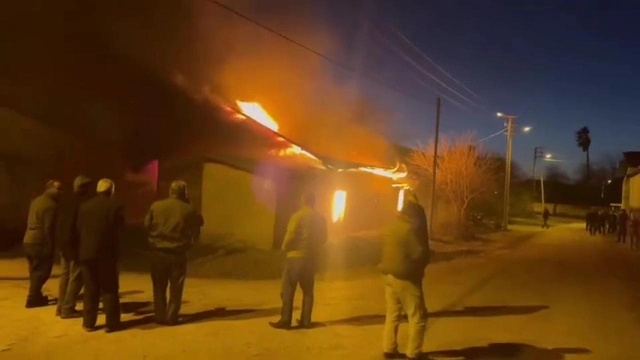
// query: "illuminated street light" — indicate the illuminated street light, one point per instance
point(499, 114)
point(548, 156)
point(608, 181)
point(526, 129)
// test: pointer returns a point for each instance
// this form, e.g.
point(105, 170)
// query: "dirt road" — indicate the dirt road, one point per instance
point(561, 295)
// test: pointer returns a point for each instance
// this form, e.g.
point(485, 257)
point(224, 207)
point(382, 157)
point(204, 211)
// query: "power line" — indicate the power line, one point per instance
point(492, 135)
point(330, 60)
point(403, 55)
point(395, 30)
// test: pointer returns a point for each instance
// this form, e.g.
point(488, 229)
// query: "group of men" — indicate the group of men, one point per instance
point(626, 225)
point(405, 255)
point(86, 228)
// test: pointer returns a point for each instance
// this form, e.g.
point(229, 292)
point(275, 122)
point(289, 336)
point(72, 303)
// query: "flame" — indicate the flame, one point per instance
point(339, 205)
point(297, 150)
point(258, 113)
point(394, 173)
point(400, 199)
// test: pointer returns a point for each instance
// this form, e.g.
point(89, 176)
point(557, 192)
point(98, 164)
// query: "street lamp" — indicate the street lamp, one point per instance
point(507, 174)
point(548, 156)
point(526, 129)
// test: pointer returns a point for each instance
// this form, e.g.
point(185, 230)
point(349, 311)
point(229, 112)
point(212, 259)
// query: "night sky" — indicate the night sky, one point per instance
point(558, 65)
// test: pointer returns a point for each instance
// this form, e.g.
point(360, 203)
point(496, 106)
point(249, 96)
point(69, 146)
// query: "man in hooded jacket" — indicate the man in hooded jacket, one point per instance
point(39, 242)
point(67, 242)
point(405, 255)
point(173, 225)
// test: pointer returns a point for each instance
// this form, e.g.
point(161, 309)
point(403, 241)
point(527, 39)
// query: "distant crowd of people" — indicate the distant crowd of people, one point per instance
point(625, 225)
point(85, 229)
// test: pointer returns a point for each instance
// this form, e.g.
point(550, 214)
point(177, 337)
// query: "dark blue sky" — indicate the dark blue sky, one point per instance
point(558, 65)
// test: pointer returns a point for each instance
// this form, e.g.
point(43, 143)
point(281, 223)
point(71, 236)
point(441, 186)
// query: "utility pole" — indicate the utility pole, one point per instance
point(542, 191)
point(435, 168)
point(507, 173)
point(538, 153)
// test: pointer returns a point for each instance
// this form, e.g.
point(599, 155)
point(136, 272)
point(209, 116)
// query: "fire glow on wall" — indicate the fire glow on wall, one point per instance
point(339, 205)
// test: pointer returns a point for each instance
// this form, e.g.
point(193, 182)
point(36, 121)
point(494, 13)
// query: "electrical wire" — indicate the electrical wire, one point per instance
point(492, 135)
point(405, 39)
point(328, 59)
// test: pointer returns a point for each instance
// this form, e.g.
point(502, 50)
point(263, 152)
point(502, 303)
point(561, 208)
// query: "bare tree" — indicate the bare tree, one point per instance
point(464, 171)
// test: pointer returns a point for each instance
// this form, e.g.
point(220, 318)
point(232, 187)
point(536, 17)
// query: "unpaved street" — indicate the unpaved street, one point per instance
point(561, 295)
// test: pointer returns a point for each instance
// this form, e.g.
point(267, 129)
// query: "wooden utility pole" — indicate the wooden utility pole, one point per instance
point(435, 168)
point(507, 174)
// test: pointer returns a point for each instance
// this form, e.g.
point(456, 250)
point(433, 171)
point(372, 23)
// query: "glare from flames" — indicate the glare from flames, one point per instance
point(400, 199)
point(339, 205)
point(388, 173)
point(258, 113)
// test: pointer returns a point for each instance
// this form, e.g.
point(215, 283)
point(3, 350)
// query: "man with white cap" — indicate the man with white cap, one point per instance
point(100, 226)
point(173, 224)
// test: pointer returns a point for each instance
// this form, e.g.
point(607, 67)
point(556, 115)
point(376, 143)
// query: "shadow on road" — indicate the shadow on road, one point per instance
point(471, 311)
point(509, 351)
point(148, 323)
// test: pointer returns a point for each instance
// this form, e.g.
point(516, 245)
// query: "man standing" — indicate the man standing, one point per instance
point(405, 255)
point(100, 226)
point(39, 242)
point(623, 223)
point(173, 225)
point(306, 233)
point(67, 241)
point(545, 218)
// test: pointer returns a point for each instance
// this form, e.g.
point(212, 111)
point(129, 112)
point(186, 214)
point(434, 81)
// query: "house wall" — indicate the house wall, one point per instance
point(371, 201)
point(634, 192)
point(238, 206)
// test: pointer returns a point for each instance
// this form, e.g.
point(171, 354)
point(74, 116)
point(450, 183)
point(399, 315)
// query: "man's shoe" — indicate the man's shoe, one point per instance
point(393, 355)
point(58, 311)
point(35, 303)
point(280, 325)
point(89, 328)
point(110, 329)
point(75, 314)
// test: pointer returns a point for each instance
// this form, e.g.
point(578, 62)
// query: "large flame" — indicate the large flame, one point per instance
point(339, 205)
point(258, 113)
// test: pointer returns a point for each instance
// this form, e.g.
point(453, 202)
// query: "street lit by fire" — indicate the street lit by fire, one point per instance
point(339, 205)
point(255, 111)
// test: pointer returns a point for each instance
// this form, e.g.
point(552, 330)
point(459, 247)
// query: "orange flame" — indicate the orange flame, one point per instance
point(394, 173)
point(258, 113)
point(339, 205)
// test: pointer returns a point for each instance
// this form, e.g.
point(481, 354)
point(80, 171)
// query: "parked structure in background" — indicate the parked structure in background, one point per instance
point(631, 184)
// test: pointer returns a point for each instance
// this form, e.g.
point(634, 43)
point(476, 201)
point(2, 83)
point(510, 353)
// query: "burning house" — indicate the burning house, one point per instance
point(248, 179)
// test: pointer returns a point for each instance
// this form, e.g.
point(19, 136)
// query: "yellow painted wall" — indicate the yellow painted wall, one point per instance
point(634, 192)
point(237, 206)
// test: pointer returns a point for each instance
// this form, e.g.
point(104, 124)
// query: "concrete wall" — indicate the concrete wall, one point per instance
point(237, 206)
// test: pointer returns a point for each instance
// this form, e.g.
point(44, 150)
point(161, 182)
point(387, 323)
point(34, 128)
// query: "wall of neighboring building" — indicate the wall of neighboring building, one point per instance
point(634, 192)
point(237, 206)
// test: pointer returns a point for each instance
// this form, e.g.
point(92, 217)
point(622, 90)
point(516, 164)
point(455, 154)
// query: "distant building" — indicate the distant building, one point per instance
point(631, 185)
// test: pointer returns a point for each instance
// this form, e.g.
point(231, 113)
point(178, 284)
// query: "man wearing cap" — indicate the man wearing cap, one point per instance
point(100, 225)
point(173, 225)
point(67, 242)
point(39, 242)
point(405, 255)
point(306, 233)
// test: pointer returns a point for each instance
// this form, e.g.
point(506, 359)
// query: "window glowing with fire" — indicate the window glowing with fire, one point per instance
point(339, 205)
point(400, 199)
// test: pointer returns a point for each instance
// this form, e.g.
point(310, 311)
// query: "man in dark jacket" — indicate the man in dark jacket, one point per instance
point(100, 225)
point(306, 233)
point(545, 218)
point(39, 242)
point(173, 225)
point(67, 242)
point(623, 223)
point(405, 255)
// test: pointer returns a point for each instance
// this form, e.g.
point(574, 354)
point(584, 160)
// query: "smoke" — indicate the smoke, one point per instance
point(214, 51)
